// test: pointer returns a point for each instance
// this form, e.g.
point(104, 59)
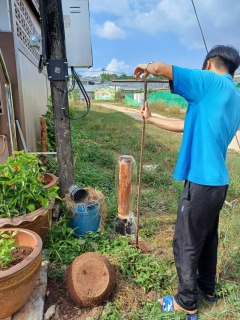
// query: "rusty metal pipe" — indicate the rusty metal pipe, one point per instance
point(126, 192)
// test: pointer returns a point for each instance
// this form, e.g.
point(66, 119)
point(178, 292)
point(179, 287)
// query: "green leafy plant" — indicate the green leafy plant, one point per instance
point(22, 186)
point(149, 311)
point(63, 248)
point(6, 247)
point(49, 116)
point(50, 163)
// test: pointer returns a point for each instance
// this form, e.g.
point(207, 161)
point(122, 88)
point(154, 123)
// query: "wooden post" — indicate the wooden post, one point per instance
point(43, 129)
point(56, 50)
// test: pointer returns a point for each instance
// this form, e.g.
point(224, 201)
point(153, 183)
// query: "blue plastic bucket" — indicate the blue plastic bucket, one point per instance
point(86, 218)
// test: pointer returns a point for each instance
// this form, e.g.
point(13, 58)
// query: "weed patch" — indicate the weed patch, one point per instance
point(98, 140)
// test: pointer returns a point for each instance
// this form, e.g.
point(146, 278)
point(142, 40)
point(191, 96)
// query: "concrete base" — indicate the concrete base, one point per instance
point(126, 226)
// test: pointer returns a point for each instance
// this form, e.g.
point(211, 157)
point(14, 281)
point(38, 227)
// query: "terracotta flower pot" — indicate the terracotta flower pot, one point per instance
point(51, 180)
point(17, 283)
point(39, 220)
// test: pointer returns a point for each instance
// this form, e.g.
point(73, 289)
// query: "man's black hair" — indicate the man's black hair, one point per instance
point(226, 57)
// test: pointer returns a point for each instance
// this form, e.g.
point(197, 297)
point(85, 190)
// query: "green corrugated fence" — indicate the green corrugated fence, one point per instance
point(166, 96)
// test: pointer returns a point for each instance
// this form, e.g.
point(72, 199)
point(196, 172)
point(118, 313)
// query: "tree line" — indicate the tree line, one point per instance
point(106, 77)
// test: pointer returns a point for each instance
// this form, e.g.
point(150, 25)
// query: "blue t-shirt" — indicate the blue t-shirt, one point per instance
point(212, 119)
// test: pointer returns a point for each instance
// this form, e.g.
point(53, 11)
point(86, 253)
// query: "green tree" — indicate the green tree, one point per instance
point(108, 77)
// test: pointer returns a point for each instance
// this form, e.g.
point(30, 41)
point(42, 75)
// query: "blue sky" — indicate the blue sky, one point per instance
point(125, 33)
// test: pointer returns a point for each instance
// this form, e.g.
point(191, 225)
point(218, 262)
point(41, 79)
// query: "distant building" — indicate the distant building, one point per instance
point(91, 80)
point(91, 84)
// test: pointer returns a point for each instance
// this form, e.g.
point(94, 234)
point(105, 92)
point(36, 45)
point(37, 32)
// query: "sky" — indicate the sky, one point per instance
point(125, 33)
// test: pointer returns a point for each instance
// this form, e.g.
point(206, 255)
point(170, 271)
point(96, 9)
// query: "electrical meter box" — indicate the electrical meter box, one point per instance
point(76, 18)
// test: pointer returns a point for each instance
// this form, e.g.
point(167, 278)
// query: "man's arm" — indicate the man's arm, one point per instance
point(164, 70)
point(155, 68)
point(166, 124)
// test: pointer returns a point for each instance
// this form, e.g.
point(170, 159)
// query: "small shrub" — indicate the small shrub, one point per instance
point(6, 247)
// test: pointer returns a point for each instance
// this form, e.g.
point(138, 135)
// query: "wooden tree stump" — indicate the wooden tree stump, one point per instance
point(91, 279)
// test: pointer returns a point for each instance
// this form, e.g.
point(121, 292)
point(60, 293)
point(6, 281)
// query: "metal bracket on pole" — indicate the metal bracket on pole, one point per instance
point(57, 69)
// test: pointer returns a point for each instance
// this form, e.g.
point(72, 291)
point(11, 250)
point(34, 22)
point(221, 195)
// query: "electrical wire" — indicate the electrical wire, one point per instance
point(207, 49)
point(199, 25)
point(81, 87)
point(43, 56)
point(73, 82)
point(85, 95)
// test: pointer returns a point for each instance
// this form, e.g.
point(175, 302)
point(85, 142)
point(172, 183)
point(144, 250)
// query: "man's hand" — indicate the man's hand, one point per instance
point(141, 69)
point(154, 68)
point(145, 112)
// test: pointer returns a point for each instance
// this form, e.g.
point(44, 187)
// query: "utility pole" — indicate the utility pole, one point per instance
point(103, 72)
point(56, 60)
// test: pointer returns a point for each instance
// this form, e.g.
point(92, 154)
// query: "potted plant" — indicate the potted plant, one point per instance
point(26, 194)
point(18, 281)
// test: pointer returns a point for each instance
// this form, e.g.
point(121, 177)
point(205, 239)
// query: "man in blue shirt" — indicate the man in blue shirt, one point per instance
point(212, 119)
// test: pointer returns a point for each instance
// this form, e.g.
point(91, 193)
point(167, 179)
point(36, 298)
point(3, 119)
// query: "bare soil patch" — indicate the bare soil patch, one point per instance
point(19, 254)
point(66, 309)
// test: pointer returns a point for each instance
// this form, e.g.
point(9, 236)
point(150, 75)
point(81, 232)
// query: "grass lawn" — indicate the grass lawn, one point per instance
point(98, 140)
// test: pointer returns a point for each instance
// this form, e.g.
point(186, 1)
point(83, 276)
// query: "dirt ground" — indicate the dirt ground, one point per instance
point(66, 308)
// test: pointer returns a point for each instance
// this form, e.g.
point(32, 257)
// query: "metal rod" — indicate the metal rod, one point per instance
point(237, 141)
point(43, 153)
point(140, 168)
point(141, 80)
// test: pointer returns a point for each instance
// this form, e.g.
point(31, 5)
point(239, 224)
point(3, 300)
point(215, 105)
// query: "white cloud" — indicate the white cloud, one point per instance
point(116, 66)
point(109, 6)
point(92, 72)
point(123, 7)
point(108, 30)
point(218, 19)
point(218, 22)
point(165, 15)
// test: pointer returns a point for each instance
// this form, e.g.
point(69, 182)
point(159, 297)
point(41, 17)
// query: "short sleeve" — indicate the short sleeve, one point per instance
point(191, 84)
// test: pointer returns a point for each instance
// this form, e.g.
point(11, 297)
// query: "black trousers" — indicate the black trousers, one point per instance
point(195, 241)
